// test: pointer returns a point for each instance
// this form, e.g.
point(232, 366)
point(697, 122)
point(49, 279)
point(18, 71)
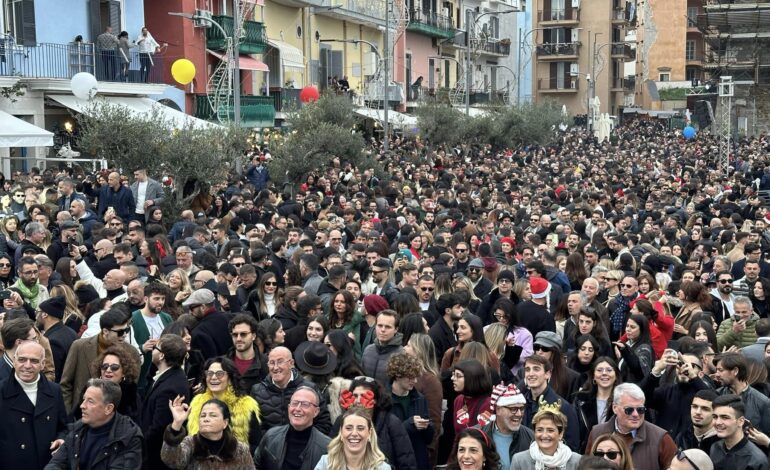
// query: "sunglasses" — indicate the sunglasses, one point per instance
point(725, 281)
point(426, 289)
point(627, 286)
point(538, 347)
point(271, 283)
point(461, 250)
point(680, 455)
point(629, 410)
point(610, 454)
point(112, 367)
point(122, 332)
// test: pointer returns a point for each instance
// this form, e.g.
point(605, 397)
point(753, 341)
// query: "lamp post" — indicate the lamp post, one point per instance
point(468, 67)
point(459, 64)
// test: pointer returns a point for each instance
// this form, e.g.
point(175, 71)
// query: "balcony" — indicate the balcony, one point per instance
point(562, 17)
point(694, 59)
point(285, 100)
point(629, 84)
point(492, 46)
point(558, 50)
point(622, 50)
point(618, 84)
point(253, 42)
point(619, 16)
point(430, 24)
point(63, 61)
point(256, 111)
point(556, 85)
point(363, 12)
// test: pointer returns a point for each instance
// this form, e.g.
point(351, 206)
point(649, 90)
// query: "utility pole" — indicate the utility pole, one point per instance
point(468, 65)
point(235, 64)
point(386, 79)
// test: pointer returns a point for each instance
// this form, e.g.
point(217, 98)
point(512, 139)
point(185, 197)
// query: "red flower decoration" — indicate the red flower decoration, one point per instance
point(367, 400)
point(347, 399)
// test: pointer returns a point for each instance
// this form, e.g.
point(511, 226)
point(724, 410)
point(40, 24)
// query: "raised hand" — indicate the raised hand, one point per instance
point(179, 411)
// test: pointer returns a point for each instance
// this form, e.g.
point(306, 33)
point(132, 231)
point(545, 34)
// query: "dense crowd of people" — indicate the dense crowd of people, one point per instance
point(580, 305)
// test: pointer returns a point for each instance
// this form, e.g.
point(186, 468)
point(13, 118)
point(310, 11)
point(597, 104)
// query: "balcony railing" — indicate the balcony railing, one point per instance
point(622, 50)
point(285, 99)
point(629, 83)
point(50, 60)
point(253, 42)
point(558, 49)
point(560, 15)
point(431, 24)
point(256, 111)
point(619, 16)
point(557, 84)
point(492, 46)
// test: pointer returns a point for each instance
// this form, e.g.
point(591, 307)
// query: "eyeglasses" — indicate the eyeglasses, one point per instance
point(604, 370)
point(378, 271)
point(305, 405)
point(112, 367)
point(629, 410)
point(680, 455)
point(271, 283)
point(539, 347)
point(460, 250)
point(243, 334)
point(220, 374)
point(517, 410)
point(277, 363)
point(627, 286)
point(5, 265)
point(474, 270)
point(725, 281)
point(610, 454)
point(30, 273)
point(426, 289)
point(121, 332)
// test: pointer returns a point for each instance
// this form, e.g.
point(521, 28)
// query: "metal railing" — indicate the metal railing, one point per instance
point(286, 99)
point(558, 48)
point(372, 8)
point(572, 14)
point(622, 49)
point(566, 84)
point(254, 40)
point(63, 61)
point(430, 18)
point(491, 46)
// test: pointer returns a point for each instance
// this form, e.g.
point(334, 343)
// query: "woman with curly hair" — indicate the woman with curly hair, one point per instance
point(119, 364)
point(696, 299)
point(270, 335)
point(222, 381)
point(356, 445)
point(760, 297)
point(703, 332)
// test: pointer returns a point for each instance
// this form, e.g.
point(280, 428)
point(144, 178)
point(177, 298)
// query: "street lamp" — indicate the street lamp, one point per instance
point(459, 64)
point(591, 83)
point(233, 63)
point(468, 68)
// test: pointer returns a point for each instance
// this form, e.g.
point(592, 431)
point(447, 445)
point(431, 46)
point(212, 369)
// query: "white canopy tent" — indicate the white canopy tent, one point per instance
point(15, 132)
point(395, 119)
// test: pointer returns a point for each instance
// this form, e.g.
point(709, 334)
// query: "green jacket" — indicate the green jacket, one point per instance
point(726, 337)
point(142, 334)
point(354, 326)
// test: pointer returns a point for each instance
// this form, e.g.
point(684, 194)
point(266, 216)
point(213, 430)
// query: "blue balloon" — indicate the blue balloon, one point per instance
point(688, 132)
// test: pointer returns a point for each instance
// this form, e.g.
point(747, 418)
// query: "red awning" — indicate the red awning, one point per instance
point(245, 62)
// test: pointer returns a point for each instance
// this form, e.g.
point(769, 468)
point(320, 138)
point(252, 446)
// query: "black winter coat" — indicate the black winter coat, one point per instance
point(123, 450)
point(212, 335)
point(26, 430)
point(272, 449)
point(156, 414)
point(420, 438)
point(392, 440)
point(274, 403)
point(61, 338)
point(587, 414)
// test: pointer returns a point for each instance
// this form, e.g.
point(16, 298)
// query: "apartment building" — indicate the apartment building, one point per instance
point(579, 50)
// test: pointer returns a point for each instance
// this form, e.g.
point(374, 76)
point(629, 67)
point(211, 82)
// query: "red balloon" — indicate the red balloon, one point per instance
point(309, 94)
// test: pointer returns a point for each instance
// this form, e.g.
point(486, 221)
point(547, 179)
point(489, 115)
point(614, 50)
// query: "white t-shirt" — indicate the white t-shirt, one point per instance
point(141, 195)
point(154, 325)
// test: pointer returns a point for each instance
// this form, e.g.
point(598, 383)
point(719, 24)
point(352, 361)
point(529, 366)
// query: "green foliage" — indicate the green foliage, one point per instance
point(320, 132)
point(673, 94)
point(128, 140)
point(502, 127)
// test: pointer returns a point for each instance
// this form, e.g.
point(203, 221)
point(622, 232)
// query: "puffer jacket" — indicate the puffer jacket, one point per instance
point(392, 440)
point(274, 402)
point(375, 359)
point(186, 452)
point(272, 450)
point(726, 337)
point(123, 449)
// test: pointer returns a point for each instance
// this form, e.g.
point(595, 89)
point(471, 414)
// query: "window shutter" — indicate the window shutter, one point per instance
point(115, 15)
point(95, 19)
point(25, 23)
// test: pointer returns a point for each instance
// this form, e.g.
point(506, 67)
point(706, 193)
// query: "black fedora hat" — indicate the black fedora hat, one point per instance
point(315, 358)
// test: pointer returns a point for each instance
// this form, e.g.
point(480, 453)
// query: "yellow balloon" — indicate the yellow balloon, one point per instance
point(183, 71)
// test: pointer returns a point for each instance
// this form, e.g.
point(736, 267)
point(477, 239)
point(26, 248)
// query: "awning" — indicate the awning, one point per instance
point(141, 106)
point(290, 56)
point(15, 132)
point(395, 119)
point(244, 62)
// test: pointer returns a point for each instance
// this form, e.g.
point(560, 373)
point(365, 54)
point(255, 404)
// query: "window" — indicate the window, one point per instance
point(690, 50)
point(664, 77)
point(692, 17)
point(19, 18)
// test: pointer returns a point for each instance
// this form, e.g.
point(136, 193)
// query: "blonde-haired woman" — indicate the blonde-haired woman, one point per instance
point(429, 384)
point(73, 318)
point(547, 451)
point(355, 447)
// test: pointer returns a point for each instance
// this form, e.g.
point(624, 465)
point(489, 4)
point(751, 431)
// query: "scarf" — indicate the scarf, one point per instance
point(29, 294)
point(241, 410)
point(557, 460)
point(618, 317)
